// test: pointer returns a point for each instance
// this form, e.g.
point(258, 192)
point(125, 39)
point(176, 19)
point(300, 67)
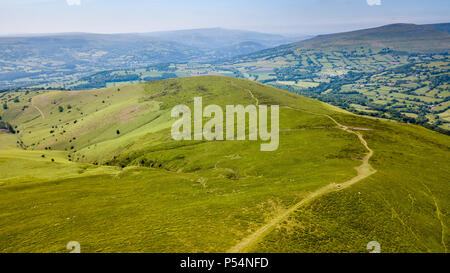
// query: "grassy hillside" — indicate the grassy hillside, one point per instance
point(99, 167)
point(398, 37)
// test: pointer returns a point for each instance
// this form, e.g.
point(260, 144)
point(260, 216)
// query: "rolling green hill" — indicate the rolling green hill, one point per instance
point(99, 167)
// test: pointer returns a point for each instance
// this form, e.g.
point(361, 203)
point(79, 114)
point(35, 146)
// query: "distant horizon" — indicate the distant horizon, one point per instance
point(285, 17)
point(209, 28)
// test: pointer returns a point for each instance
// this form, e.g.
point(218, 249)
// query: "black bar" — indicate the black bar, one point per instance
point(225, 262)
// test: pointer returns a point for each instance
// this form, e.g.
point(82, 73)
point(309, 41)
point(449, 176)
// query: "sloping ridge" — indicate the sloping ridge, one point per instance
point(402, 37)
point(444, 27)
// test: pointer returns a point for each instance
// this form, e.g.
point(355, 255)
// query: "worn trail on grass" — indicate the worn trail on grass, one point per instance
point(363, 171)
point(39, 110)
point(439, 217)
point(253, 96)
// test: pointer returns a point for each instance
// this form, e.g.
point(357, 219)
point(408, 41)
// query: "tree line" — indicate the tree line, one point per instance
point(7, 126)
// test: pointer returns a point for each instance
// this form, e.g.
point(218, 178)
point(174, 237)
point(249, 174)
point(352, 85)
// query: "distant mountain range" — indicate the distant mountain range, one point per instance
point(444, 27)
point(217, 38)
point(397, 37)
point(400, 37)
point(31, 59)
point(398, 71)
point(58, 58)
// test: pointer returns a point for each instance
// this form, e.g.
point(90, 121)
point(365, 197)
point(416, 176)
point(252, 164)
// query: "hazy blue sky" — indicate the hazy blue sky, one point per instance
point(282, 16)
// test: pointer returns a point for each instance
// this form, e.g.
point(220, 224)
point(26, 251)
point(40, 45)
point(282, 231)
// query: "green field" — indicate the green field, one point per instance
point(99, 167)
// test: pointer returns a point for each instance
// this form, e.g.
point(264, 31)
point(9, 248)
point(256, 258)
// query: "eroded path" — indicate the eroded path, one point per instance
point(253, 96)
point(39, 110)
point(363, 171)
point(439, 217)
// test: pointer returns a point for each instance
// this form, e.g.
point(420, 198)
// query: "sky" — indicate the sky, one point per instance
point(271, 16)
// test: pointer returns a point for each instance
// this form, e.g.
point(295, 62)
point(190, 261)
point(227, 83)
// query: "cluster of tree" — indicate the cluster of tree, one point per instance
point(6, 126)
point(385, 51)
point(439, 80)
point(99, 80)
point(293, 73)
point(404, 69)
point(336, 83)
point(166, 67)
point(162, 77)
point(29, 89)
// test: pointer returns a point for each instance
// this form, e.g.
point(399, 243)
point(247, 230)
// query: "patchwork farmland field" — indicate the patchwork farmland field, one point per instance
point(398, 72)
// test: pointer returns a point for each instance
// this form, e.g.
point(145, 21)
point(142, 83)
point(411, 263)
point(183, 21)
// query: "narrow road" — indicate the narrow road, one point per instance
point(363, 171)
